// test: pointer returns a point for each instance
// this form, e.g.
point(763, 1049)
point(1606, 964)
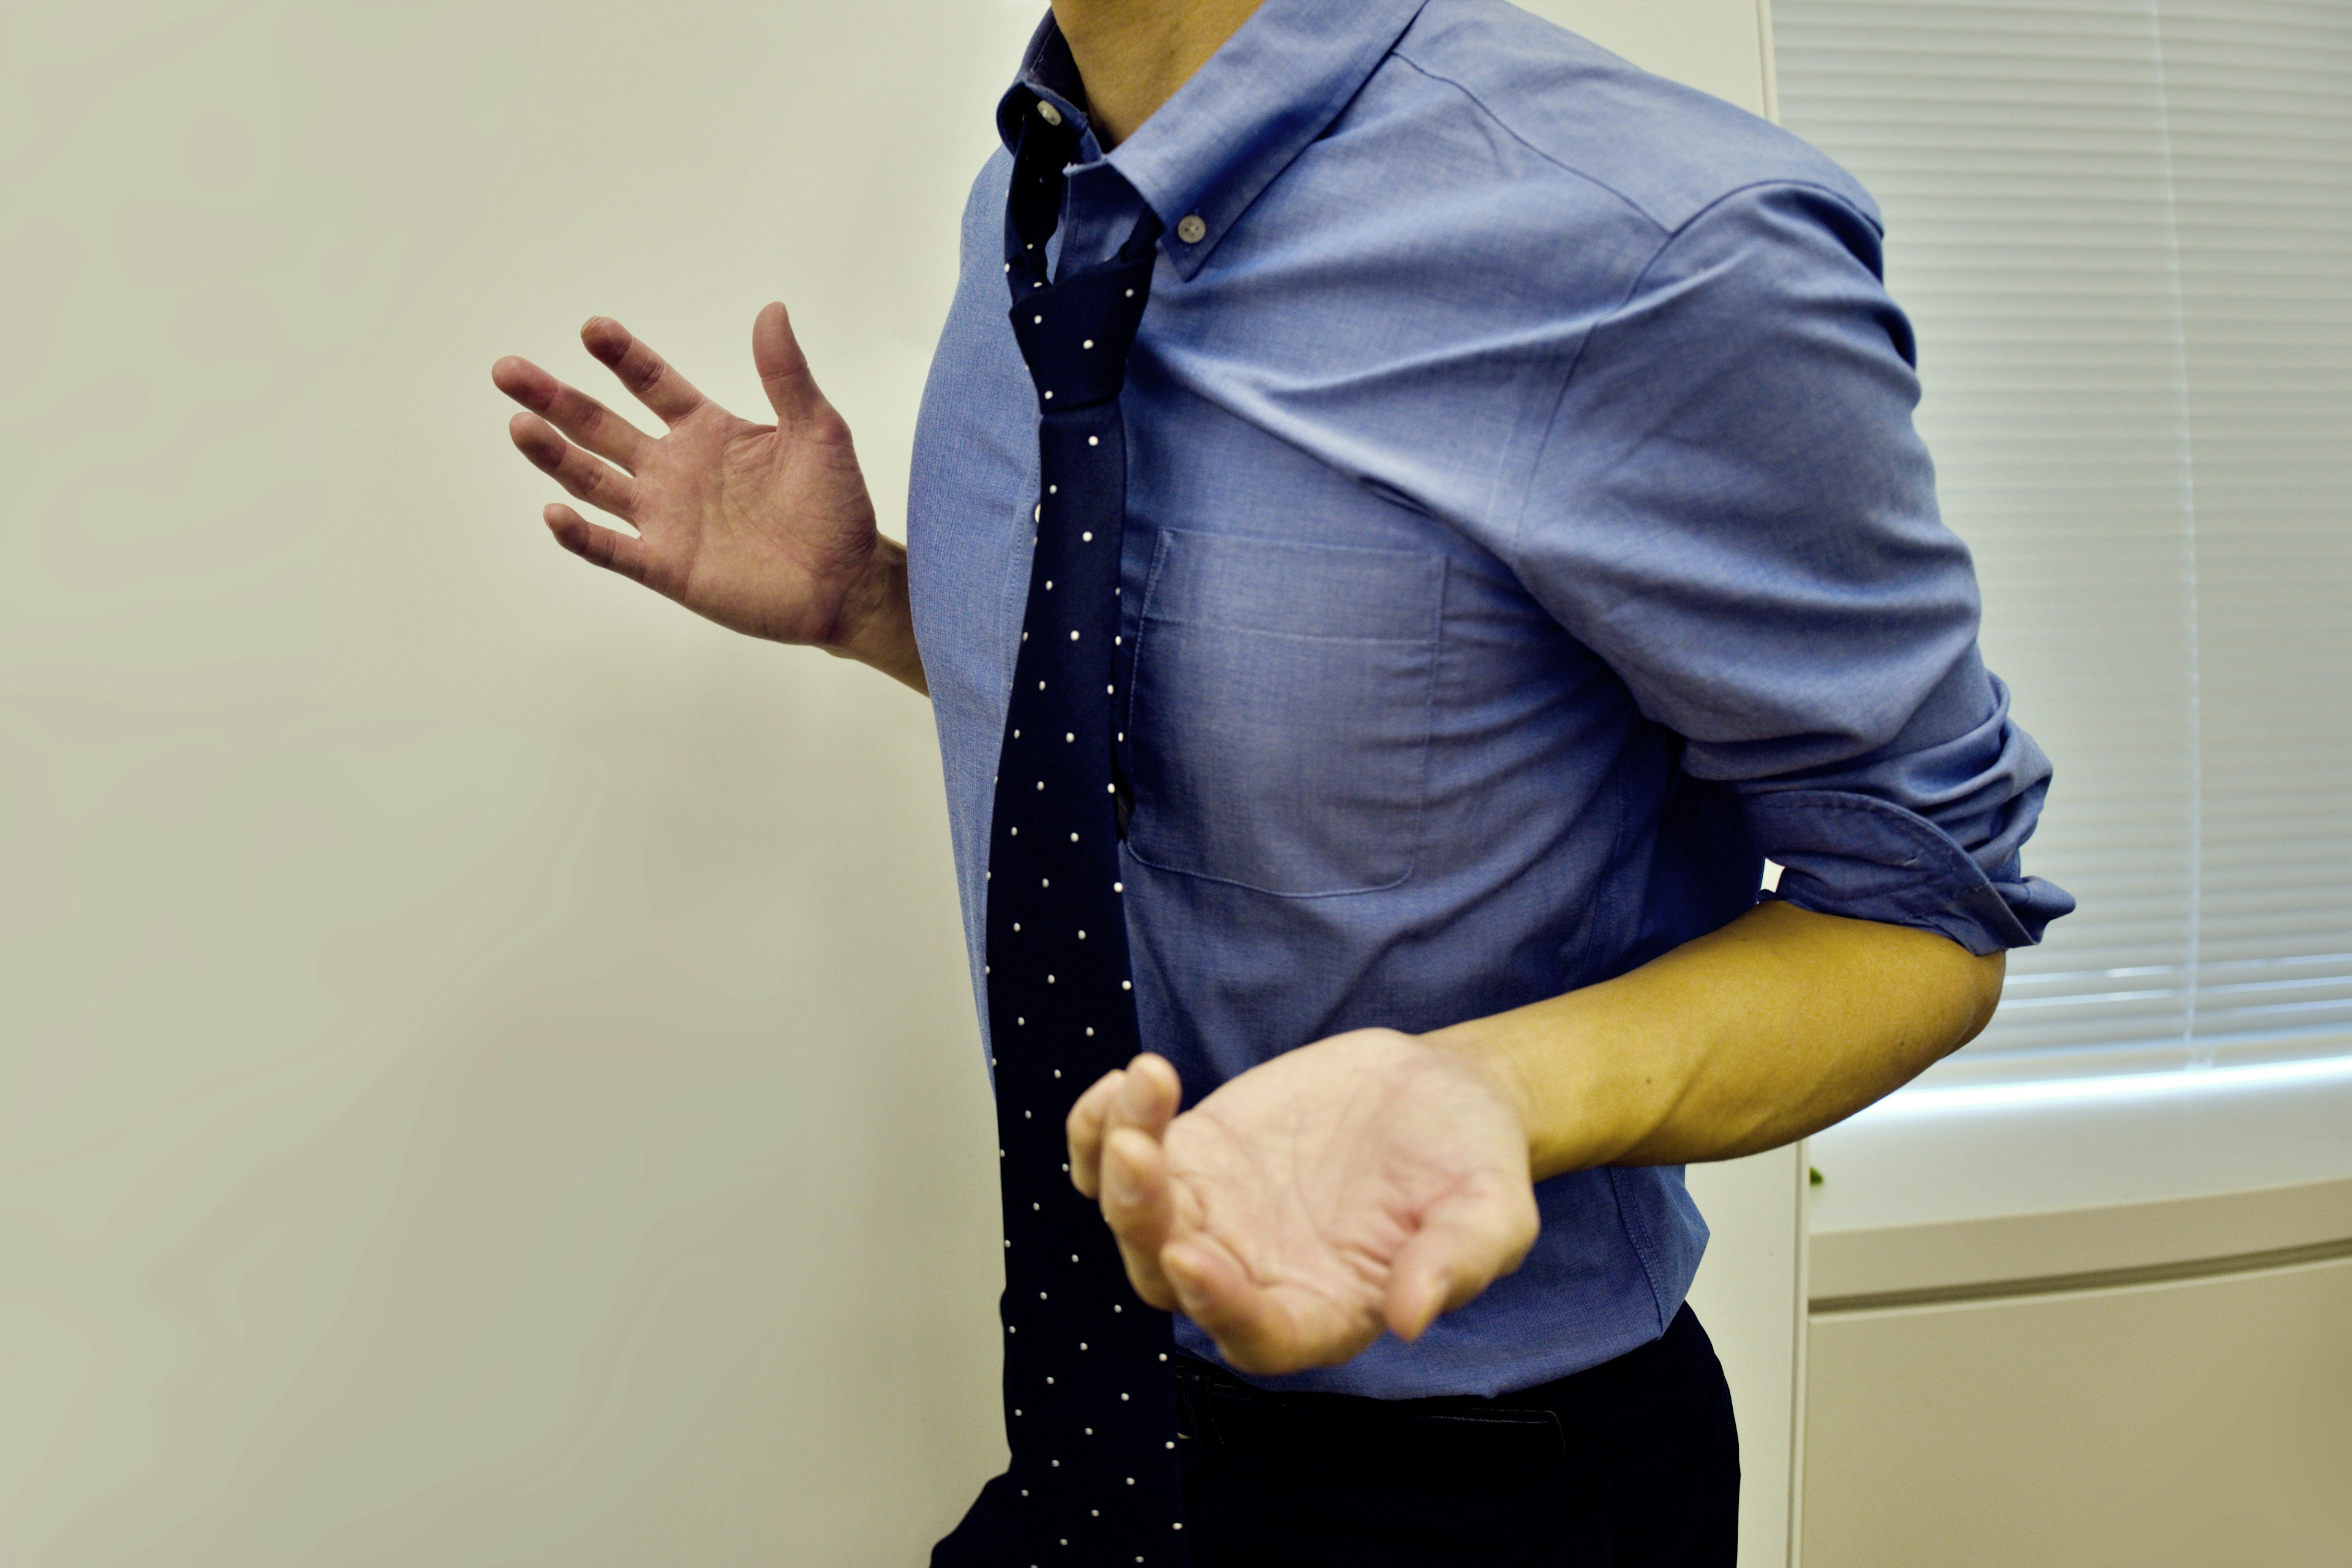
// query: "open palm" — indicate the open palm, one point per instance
point(1367, 1182)
point(767, 528)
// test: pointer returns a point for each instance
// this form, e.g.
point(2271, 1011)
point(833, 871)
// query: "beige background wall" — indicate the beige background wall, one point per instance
point(488, 1074)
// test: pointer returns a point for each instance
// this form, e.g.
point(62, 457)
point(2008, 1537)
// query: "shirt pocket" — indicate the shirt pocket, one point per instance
point(1280, 719)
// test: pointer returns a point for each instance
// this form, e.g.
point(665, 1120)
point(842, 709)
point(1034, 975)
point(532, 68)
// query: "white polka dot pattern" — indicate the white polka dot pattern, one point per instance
point(1096, 1419)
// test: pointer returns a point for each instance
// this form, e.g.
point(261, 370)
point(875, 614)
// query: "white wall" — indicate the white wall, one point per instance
point(489, 1075)
point(1724, 47)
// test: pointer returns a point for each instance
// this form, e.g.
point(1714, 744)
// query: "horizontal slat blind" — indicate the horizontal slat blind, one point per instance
point(2124, 229)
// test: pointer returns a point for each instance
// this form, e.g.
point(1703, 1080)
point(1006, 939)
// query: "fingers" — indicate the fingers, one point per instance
point(1116, 1156)
point(783, 369)
point(1464, 1244)
point(1102, 1108)
point(571, 411)
point(1139, 1201)
point(641, 370)
point(1147, 1095)
point(599, 484)
point(1090, 1122)
point(606, 547)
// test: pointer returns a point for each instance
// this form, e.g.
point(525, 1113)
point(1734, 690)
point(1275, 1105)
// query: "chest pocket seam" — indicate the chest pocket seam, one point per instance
point(1179, 651)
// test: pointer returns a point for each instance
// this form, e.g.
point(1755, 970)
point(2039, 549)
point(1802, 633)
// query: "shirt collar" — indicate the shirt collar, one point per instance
point(1214, 147)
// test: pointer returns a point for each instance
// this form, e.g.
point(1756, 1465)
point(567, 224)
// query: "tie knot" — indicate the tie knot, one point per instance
point(1075, 334)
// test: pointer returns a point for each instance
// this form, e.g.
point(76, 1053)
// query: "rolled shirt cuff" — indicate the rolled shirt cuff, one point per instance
point(1867, 858)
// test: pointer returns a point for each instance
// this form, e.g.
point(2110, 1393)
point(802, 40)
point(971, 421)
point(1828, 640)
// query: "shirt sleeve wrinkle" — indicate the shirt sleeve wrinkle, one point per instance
point(1735, 511)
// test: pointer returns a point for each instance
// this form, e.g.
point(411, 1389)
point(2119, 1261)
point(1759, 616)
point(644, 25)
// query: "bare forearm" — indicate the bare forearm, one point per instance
point(1772, 1028)
point(877, 623)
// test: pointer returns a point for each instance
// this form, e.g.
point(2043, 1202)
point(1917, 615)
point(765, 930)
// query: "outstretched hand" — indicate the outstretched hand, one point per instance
point(766, 529)
point(1367, 1182)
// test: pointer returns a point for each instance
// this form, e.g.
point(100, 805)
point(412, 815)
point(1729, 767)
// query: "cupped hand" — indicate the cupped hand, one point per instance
point(767, 528)
point(1367, 1182)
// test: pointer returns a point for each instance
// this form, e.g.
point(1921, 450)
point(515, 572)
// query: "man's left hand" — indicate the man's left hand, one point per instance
point(1370, 1181)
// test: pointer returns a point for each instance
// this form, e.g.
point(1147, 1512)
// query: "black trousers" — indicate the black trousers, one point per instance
point(1633, 1464)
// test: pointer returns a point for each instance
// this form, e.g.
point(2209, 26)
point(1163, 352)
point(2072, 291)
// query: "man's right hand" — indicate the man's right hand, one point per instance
point(766, 529)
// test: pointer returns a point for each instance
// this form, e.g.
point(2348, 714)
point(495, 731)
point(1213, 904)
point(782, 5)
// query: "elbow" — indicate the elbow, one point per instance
point(1980, 996)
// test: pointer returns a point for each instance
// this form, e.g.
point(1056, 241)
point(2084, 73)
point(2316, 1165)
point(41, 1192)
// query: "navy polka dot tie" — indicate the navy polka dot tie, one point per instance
point(1090, 1401)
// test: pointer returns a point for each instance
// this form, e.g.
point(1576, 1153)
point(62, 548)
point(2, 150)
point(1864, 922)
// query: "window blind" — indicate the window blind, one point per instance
point(2124, 230)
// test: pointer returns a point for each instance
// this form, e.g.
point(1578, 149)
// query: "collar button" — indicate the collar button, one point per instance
point(1048, 113)
point(1191, 229)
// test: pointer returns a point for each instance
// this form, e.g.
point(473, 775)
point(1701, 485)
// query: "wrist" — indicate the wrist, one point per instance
point(875, 625)
point(1544, 1062)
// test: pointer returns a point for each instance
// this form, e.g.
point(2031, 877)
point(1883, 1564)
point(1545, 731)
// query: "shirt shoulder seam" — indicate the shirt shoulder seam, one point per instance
point(1633, 288)
point(1507, 129)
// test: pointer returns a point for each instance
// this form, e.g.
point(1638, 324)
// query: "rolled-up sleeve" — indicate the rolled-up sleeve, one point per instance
point(1733, 511)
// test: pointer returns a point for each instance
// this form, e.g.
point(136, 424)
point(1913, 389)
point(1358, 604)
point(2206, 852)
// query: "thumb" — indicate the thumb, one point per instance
point(1464, 1244)
point(783, 369)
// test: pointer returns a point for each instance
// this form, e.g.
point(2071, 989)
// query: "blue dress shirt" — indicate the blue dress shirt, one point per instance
point(1527, 536)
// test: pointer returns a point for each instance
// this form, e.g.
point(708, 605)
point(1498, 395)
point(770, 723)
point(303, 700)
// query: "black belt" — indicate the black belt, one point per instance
point(1220, 1411)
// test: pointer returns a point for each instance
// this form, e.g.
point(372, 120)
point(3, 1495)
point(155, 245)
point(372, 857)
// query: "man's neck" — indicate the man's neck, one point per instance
point(1134, 54)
